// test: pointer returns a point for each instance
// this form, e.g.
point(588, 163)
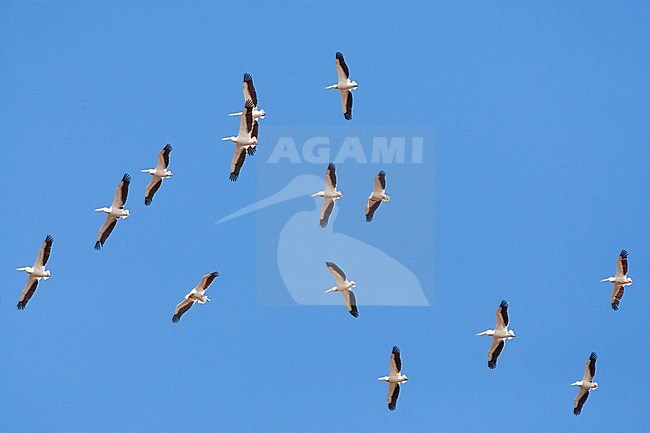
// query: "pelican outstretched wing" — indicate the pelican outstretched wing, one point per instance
point(494, 351)
point(28, 292)
point(350, 302)
point(105, 231)
point(122, 192)
point(182, 308)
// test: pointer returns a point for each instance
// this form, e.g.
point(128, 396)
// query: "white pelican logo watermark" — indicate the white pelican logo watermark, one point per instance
point(288, 215)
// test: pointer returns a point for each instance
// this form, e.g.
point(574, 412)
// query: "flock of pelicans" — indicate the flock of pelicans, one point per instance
point(245, 145)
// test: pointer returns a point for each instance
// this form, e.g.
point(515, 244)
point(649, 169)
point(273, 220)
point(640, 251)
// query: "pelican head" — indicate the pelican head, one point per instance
point(261, 114)
point(168, 174)
point(354, 84)
point(353, 284)
point(254, 141)
point(594, 385)
point(489, 333)
point(628, 280)
point(404, 378)
point(125, 213)
point(511, 334)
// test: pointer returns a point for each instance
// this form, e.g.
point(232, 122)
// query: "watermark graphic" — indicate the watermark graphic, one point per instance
point(390, 258)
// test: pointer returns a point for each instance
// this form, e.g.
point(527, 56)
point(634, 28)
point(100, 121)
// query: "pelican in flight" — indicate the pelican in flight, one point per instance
point(250, 94)
point(378, 195)
point(499, 334)
point(246, 138)
point(395, 378)
point(197, 294)
point(115, 212)
point(159, 173)
point(586, 384)
point(345, 287)
point(344, 85)
point(329, 195)
point(36, 272)
point(620, 280)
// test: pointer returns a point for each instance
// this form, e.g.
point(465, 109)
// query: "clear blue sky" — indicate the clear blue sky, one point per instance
point(541, 120)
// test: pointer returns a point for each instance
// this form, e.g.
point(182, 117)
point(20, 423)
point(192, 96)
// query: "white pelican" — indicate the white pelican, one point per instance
point(250, 94)
point(159, 173)
point(197, 294)
point(378, 195)
point(115, 212)
point(620, 280)
point(345, 287)
point(586, 384)
point(344, 85)
point(243, 141)
point(329, 195)
point(36, 272)
point(499, 334)
point(395, 378)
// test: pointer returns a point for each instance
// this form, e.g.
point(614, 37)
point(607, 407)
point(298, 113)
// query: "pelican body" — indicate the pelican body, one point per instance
point(499, 335)
point(115, 212)
point(158, 174)
point(394, 378)
point(620, 280)
point(344, 85)
point(586, 384)
point(378, 195)
point(344, 287)
point(329, 194)
point(197, 294)
point(36, 272)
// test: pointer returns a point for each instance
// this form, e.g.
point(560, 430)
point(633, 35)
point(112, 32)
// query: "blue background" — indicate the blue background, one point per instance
point(541, 160)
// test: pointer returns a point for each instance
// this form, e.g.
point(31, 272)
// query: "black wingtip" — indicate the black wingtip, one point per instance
point(339, 55)
point(576, 411)
point(248, 77)
point(126, 178)
point(251, 150)
point(323, 224)
point(492, 365)
point(148, 201)
point(331, 166)
point(21, 305)
point(233, 177)
point(368, 218)
point(328, 264)
point(98, 245)
point(176, 319)
point(615, 307)
point(593, 356)
point(503, 303)
point(624, 253)
point(49, 238)
point(354, 314)
point(395, 349)
point(348, 116)
point(168, 147)
point(381, 173)
point(215, 274)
